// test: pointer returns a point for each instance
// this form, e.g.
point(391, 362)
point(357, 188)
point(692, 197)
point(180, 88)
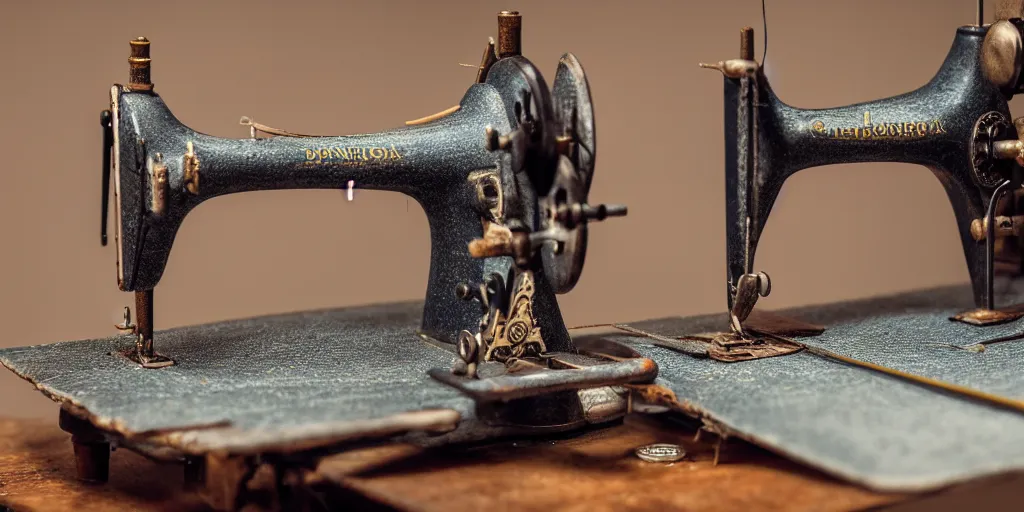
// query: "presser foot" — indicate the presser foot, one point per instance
point(731, 347)
point(984, 317)
point(144, 355)
point(154, 362)
point(143, 352)
point(764, 335)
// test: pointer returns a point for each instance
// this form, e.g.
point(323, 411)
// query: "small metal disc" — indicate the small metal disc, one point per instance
point(661, 452)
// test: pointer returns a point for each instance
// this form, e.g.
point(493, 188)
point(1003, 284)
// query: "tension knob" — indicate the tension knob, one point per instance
point(1001, 54)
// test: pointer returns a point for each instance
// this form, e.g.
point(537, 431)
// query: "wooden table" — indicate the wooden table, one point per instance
point(593, 471)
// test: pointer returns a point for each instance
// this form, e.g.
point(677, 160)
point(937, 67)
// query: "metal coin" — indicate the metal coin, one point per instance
point(660, 452)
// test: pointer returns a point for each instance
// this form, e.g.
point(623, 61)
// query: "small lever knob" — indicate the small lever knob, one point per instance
point(126, 324)
point(491, 247)
point(496, 243)
point(465, 291)
point(495, 141)
point(734, 68)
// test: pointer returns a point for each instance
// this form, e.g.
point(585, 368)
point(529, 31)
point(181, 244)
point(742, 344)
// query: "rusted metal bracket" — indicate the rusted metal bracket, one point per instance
point(525, 379)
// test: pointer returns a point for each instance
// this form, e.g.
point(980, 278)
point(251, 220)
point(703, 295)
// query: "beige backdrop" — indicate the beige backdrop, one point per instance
point(341, 67)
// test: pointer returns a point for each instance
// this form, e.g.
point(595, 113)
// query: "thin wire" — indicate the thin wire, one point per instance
point(994, 399)
point(764, 18)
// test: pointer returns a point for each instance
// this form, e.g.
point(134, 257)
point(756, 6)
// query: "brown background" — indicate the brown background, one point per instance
point(341, 67)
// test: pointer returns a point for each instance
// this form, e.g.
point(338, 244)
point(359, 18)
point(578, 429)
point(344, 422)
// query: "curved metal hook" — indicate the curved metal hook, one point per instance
point(990, 234)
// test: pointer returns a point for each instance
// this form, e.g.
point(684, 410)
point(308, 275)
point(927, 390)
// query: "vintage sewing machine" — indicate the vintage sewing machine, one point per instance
point(880, 391)
point(958, 125)
point(503, 178)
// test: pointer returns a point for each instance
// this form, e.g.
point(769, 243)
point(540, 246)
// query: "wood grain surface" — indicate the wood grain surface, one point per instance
point(37, 473)
point(593, 471)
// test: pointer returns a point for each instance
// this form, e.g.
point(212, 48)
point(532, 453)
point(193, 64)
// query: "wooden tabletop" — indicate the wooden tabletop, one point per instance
point(593, 471)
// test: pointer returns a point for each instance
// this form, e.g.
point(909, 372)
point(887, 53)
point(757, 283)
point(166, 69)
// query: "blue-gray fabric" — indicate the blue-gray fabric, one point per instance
point(367, 362)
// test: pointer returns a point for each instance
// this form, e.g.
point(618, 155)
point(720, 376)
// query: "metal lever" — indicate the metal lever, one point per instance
point(126, 325)
point(1005, 226)
point(495, 141)
point(990, 243)
point(734, 68)
point(572, 215)
point(521, 245)
point(108, 146)
point(477, 292)
point(749, 287)
point(490, 294)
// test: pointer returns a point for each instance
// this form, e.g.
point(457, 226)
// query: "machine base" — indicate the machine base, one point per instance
point(294, 387)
